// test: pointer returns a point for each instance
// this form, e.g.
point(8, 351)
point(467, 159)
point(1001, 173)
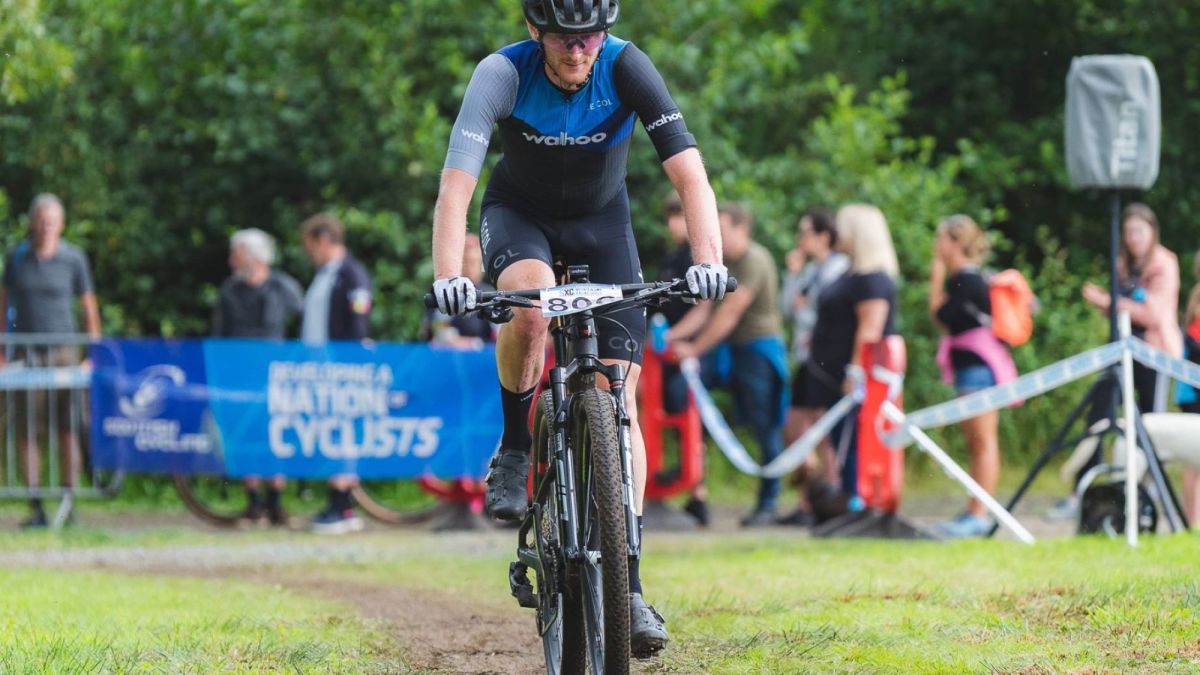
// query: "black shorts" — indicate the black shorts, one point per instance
point(812, 387)
point(602, 240)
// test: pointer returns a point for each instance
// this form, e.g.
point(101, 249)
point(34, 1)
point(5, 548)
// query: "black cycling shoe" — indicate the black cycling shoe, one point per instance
point(647, 634)
point(507, 496)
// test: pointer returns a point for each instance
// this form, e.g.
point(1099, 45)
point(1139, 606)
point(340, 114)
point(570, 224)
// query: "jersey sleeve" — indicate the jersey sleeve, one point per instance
point(640, 86)
point(358, 295)
point(83, 275)
point(490, 97)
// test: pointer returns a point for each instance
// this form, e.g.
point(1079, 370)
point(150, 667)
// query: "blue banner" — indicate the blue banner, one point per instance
point(384, 411)
point(149, 405)
point(251, 407)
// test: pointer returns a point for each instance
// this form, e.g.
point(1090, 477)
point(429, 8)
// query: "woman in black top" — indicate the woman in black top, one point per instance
point(857, 309)
point(960, 302)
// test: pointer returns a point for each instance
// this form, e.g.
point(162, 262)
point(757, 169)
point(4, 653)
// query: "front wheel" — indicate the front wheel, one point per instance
point(605, 578)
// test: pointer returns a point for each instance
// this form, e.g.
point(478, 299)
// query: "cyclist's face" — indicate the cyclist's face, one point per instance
point(570, 56)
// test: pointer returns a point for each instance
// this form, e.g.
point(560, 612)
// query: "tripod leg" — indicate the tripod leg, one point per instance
point(1056, 445)
point(1166, 493)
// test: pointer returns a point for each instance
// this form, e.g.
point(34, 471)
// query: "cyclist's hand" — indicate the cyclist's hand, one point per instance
point(706, 281)
point(455, 295)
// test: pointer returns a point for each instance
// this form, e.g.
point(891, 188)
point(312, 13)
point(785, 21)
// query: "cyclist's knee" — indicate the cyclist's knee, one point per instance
point(529, 326)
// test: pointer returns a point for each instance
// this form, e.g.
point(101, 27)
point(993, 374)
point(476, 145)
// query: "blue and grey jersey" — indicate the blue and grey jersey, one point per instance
point(564, 153)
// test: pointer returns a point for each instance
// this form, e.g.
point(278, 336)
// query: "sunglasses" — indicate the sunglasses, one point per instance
point(565, 42)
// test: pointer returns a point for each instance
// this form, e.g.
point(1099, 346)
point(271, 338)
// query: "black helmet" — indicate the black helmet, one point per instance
point(571, 16)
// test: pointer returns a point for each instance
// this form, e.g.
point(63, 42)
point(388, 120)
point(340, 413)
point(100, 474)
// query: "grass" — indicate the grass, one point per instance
point(761, 604)
point(92, 622)
point(737, 603)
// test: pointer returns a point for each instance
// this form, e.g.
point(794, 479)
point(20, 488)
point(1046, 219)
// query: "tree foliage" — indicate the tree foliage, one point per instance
point(167, 125)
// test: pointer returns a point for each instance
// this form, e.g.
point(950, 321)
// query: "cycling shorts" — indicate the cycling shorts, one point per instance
point(602, 240)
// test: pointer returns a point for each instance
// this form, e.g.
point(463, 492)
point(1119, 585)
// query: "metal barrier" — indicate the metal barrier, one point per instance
point(44, 381)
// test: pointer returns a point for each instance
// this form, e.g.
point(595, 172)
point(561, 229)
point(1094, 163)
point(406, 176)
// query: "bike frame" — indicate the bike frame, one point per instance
point(575, 344)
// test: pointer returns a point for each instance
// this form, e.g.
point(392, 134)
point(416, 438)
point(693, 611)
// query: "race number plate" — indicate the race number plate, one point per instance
point(574, 298)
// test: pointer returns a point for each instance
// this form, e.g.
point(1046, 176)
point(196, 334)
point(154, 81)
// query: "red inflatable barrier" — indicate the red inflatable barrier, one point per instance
point(880, 468)
point(656, 422)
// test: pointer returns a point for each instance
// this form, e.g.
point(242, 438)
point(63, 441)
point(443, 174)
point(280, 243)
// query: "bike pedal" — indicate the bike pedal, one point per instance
point(519, 586)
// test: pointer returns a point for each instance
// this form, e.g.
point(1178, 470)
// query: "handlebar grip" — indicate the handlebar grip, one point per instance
point(480, 297)
point(730, 285)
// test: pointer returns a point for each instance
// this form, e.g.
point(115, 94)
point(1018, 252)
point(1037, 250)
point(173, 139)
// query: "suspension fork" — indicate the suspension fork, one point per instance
point(564, 464)
point(616, 379)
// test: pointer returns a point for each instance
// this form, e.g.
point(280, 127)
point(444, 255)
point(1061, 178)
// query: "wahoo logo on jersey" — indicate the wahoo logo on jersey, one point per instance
point(564, 139)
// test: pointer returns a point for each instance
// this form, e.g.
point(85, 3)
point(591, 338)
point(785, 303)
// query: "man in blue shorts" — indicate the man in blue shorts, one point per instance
point(565, 102)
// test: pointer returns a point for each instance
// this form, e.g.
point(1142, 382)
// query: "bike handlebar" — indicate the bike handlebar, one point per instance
point(668, 288)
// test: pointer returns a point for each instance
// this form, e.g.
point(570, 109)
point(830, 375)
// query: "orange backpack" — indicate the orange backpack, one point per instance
point(1013, 305)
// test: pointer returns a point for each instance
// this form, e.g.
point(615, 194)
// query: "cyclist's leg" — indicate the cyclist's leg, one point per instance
point(517, 257)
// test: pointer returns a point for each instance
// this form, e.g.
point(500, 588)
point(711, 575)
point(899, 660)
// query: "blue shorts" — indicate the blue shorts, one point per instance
point(972, 379)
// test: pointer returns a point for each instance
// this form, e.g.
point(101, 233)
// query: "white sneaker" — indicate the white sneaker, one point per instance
point(1064, 509)
point(336, 522)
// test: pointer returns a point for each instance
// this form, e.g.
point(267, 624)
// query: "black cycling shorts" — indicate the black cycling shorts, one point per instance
point(602, 240)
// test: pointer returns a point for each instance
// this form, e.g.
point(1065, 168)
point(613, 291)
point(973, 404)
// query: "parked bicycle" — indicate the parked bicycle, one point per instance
point(581, 528)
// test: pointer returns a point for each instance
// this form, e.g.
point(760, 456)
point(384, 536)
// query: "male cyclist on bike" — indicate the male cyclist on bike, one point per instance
point(565, 103)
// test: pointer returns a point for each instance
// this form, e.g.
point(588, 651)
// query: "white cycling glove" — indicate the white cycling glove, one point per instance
point(455, 295)
point(707, 281)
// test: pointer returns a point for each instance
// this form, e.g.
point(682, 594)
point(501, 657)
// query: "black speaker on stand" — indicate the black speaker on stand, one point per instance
point(1113, 128)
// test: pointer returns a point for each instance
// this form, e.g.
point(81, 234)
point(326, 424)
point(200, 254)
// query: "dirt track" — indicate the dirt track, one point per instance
point(436, 632)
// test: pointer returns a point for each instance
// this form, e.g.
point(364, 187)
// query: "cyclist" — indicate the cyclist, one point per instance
point(565, 102)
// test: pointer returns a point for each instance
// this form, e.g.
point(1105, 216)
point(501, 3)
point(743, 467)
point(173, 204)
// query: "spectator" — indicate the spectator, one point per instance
point(813, 265)
point(464, 330)
point(970, 355)
point(337, 306)
point(856, 310)
point(257, 301)
point(675, 393)
point(42, 278)
point(1187, 397)
point(1148, 283)
point(749, 321)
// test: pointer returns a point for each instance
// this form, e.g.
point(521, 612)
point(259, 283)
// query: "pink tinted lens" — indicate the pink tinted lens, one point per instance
point(568, 41)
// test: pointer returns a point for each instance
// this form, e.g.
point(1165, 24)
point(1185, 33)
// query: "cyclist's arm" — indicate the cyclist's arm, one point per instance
point(450, 222)
point(490, 97)
point(687, 175)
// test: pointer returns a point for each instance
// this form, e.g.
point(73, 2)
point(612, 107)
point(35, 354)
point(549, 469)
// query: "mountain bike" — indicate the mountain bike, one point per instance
point(581, 526)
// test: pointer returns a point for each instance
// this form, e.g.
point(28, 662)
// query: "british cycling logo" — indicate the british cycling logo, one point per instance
point(475, 136)
point(139, 419)
point(150, 396)
point(665, 119)
point(564, 139)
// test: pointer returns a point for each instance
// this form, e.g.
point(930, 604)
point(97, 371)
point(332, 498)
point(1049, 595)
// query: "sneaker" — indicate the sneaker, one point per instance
point(759, 517)
point(331, 521)
point(698, 509)
point(965, 525)
point(1064, 509)
point(35, 521)
point(797, 518)
point(647, 634)
point(507, 492)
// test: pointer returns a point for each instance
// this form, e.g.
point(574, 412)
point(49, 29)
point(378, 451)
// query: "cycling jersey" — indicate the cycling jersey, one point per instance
point(564, 153)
